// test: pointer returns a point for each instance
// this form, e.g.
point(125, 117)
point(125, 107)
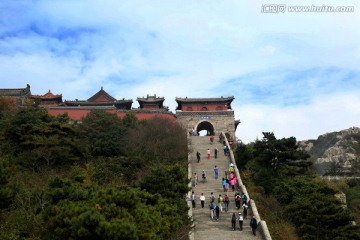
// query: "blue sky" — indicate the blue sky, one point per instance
point(294, 74)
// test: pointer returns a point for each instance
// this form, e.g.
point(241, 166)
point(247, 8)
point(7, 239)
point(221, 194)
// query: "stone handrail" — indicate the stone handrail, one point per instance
point(262, 226)
point(191, 233)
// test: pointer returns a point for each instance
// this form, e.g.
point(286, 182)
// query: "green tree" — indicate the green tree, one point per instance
point(113, 213)
point(126, 170)
point(101, 134)
point(35, 138)
point(318, 216)
point(287, 190)
point(170, 181)
point(158, 140)
point(281, 154)
point(130, 120)
point(243, 154)
point(7, 192)
point(312, 206)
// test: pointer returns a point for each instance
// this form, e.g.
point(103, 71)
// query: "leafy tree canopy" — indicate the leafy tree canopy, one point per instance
point(101, 134)
point(80, 212)
point(281, 154)
point(6, 191)
point(312, 206)
point(35, 138)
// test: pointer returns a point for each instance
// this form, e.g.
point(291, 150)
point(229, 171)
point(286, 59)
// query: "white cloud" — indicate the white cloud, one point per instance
point(289, 72)
point(324, 114)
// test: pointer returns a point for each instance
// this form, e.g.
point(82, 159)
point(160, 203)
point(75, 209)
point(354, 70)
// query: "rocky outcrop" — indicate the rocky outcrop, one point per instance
point(334, 153)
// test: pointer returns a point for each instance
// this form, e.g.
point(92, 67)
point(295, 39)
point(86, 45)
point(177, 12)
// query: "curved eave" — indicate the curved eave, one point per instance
point(236, 122)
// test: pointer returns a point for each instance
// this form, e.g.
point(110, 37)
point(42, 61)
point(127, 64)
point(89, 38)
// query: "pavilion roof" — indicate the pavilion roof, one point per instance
point(48, 95)
point(101, 98)
point(103, 95)
point(151, 99)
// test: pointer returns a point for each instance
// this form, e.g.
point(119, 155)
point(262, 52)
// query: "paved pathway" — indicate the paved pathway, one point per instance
point(205, 228)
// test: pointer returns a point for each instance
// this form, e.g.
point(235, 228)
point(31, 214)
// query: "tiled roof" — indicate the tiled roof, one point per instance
point(101, 94)
point(84, 102)
point(198, 100)
point(151, 99)
point(15, 91)
point(101, 98)
point(189, 101)
point(119, 104)
point(48, 95)
point(157, 102)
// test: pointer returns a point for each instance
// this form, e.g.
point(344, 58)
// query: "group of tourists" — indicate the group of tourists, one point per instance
point(221, 203)
point(240, 219)
point(230, 180)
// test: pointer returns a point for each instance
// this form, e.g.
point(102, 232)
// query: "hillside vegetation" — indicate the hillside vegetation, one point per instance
point(106, 178)
point(294, 201)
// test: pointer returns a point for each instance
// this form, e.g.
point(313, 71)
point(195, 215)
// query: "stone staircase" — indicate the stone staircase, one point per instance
point(205, 227)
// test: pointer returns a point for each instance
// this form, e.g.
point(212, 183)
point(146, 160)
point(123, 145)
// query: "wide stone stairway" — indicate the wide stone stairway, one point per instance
point(205, 227)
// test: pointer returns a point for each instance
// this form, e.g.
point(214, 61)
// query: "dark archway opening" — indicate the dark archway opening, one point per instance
point(205, 129)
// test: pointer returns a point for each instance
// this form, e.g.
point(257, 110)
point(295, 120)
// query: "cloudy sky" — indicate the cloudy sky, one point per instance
point(291, 73)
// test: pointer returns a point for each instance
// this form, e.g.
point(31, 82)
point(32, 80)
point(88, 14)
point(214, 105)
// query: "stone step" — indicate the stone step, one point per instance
point(205, 227)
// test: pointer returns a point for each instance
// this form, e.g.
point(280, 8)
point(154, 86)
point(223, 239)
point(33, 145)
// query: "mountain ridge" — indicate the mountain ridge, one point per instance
point(335, 153)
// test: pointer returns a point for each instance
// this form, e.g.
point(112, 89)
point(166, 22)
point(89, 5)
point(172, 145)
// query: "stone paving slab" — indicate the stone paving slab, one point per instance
point(205, 227)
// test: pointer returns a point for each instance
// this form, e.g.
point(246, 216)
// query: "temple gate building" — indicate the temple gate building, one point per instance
point(211, 114)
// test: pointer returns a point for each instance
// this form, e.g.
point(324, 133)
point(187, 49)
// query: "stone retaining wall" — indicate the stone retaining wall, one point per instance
point(262, 226)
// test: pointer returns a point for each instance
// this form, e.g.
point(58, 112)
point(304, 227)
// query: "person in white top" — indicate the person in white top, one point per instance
point(241, 221)
point(196, 179)
point(202, 200)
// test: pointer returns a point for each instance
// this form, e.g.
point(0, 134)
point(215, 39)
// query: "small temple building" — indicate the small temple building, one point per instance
point(152, 102)
point(100, 99)
point(48, 99)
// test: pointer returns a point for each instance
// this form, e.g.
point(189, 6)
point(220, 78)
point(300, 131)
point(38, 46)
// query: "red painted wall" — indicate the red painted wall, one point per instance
point(141, 116)
point(77, 114)
point(74, 114)
point(210, 107)
point(149, 106)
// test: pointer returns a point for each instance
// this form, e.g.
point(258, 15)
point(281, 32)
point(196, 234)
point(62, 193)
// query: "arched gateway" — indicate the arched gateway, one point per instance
point(211, 114)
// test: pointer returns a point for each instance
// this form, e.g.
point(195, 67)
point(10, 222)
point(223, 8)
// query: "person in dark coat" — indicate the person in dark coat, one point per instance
point(233, 221)
point(253, 225)
point(245, 210)
point(198, 156)
point(217, 211)
point(193, 199)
